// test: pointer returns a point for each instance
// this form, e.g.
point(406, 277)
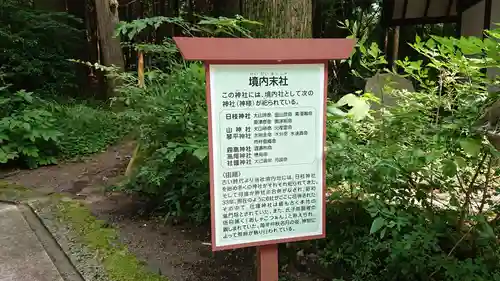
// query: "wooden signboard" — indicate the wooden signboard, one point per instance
point(267, 131)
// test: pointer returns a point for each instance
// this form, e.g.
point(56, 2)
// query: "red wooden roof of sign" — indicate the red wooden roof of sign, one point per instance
point(243, 49)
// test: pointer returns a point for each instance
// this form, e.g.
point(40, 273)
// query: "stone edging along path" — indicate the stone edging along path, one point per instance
point(27, 250)
point(53, 238)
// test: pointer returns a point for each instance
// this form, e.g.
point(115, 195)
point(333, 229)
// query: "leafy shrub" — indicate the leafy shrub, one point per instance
point(420, 250)
point(171, 167)
point(27, 131)
point(423, 170)
point(87, 129)
point(171, 119)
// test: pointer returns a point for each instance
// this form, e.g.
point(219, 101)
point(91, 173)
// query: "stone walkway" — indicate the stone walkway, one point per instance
point(27, 252)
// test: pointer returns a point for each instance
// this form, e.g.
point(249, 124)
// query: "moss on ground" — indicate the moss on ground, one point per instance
point(16, 193)
point(119, 263)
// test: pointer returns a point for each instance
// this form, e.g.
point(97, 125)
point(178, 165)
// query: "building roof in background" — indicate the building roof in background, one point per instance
point(413, 12)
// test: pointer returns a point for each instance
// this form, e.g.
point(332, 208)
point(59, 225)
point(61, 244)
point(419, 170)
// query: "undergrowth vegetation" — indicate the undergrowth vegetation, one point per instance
point(170, 119)
point(36, 46)
point(413, 186)
point(37, 124)
point(87, 128)
point(421, 175)
point(172, 127)
point(27, 131)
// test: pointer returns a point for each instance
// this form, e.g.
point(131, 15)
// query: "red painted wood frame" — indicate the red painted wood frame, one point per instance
point(237, 51)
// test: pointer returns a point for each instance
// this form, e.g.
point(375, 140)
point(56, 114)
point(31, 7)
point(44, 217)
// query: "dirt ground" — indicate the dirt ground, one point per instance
point(180, 252)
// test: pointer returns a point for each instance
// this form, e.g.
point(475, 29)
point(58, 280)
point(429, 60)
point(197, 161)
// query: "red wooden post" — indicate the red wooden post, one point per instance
point(267, 263)
point(235, 64)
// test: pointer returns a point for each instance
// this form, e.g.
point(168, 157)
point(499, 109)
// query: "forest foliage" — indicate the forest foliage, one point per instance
point(412, 186)
point(421, 176)
point(30, 59)
point(38, 122)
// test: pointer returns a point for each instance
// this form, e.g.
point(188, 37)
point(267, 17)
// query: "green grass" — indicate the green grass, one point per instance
point(118, 262)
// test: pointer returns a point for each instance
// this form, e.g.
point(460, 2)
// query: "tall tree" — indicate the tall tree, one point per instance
point(111, 51)
point(163, 30)
point(203, 7)
point(107, 19)
point(280, 18)
point(50, 5)
point(227, 8)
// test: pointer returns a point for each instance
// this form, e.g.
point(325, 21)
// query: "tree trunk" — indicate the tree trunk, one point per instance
point(130, 53)
point(173, 11)
point(317, 19)
point(203, 7)
point(190, 11)
point(50, 5)
point(227, 8)
point(280, 18)
point(163, 30)
point(78, 8)
point(96, 78)
point(107, 19)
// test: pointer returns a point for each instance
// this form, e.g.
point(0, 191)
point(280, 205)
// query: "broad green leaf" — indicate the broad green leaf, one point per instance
point(27, 126)
point(6, 155)
point(172, 156)
point(179, 150)
point(488, 230)
point(360, 108)
point(471, 146)
point(171, 144)
point(460, 161)
point(342, 136)
point(131, 34)
point(449, 168)
point(3, 156)
point(484, 228)
point(336, 195)
point(335, 111)
point(377, 224)
point(382, 233)
point(348, 99)
point(201, 153)
point(30, 151)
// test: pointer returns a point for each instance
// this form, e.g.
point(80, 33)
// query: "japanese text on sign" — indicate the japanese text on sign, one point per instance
point(267, 136)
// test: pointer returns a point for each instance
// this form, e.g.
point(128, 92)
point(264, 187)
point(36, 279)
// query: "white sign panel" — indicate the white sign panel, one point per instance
point(267, 135)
